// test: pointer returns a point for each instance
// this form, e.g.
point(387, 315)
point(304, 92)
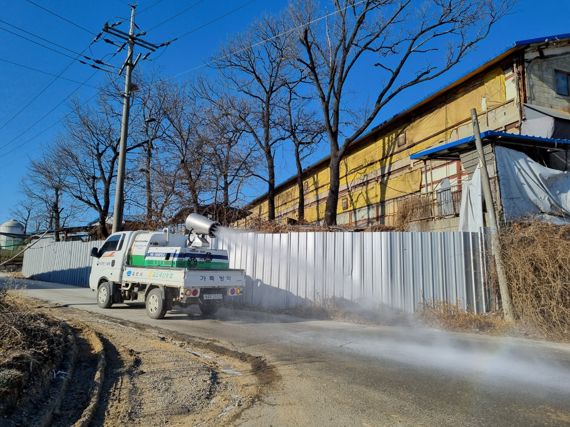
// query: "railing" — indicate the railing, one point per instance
point(428, 206)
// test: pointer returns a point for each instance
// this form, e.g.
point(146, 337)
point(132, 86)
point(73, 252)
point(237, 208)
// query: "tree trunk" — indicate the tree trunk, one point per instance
point(332, 197)
point(195, 199)
point(56, 216)
point(26, 222)
point(102, 227)
point(148, 184)
point(301, 190)
point(270, 187)
point(226, 200)
point(104, 211)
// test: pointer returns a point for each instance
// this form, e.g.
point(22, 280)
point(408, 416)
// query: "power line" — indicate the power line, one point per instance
point(182, 12)
point(37, 70)
point(21, 110)
point(144, 9)
point(95, 61)
point(63, 18)
point(108, 28)
point(17, 137)
point(37, 36)
point(219, 18)
point(36, 42)
point(259, 43)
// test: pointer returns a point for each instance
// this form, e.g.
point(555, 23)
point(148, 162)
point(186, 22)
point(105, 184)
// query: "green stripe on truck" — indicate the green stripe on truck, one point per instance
point(141, 261)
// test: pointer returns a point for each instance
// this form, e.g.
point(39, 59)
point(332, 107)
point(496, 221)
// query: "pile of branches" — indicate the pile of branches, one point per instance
point(263, 226)
point(30, 347)
point(537, 263)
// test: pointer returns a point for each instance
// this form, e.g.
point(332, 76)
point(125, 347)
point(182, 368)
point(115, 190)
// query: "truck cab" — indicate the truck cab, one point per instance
point(108, 261)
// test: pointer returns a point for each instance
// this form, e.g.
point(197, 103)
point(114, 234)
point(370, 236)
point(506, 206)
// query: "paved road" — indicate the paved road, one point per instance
point(336, 373)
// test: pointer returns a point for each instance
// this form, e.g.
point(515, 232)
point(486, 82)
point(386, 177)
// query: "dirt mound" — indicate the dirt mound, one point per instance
point(31, 347)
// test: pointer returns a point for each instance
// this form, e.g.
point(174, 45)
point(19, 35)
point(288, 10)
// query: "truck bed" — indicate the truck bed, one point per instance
point(187, 278)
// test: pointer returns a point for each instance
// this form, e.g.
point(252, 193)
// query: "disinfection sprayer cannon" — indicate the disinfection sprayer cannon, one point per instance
point(201, 227)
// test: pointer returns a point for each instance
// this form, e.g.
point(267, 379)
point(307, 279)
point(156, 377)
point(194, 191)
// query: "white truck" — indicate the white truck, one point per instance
point(165, 270)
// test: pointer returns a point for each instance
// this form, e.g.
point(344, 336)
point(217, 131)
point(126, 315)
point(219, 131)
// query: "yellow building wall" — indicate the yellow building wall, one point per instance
point(382, 170)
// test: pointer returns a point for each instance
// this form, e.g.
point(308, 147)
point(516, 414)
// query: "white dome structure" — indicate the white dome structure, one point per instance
point(11, 235)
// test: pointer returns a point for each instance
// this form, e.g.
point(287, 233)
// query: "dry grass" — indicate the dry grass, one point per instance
point(30, 346)
point(537, 262)
point(409, 210)
point(452, 317)
point(263, 226)
point(380, 227)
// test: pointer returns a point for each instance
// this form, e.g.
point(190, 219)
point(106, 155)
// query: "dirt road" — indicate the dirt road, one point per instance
point(334, 373)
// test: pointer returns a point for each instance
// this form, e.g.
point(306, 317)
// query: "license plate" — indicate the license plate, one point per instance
point(213, 296)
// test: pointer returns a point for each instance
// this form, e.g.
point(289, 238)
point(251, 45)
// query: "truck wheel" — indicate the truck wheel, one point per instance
point(208, 309)
point(155, 304)
point(105, 295)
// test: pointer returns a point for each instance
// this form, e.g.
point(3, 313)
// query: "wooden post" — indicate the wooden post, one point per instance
point(494, 226)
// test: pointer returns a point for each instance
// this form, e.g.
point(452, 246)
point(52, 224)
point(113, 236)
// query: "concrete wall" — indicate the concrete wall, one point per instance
point(440, 224)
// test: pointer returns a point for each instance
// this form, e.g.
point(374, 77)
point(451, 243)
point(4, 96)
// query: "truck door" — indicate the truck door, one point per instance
point(111, 257)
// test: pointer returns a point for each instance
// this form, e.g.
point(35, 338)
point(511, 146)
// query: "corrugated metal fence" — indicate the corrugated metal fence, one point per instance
point(400, 270)
point(62, 262)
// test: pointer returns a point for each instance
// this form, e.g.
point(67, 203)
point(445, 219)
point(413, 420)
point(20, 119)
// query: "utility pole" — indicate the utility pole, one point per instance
point(119, 196)
point(494, 225)
point(130, 39)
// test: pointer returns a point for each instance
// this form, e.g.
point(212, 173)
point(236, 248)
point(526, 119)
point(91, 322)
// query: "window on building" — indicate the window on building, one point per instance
point(401, 139)
point(562, 79)
point(344, 203)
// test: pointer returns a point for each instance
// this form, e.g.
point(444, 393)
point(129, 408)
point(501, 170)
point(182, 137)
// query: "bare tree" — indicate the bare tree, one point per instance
point(25, 213)
point(87, 155)
point(255, 66)
point(150, 124)
point(305, 132)
point(229, 153)
point(44, 188)
point(182, 145)
point(409, 42)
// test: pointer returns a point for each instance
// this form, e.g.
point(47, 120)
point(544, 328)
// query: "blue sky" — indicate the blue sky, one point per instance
point(21, 108)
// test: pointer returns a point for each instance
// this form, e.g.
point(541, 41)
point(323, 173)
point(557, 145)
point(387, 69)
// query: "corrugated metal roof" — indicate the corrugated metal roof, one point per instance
point(451, 150)
point(543, 39)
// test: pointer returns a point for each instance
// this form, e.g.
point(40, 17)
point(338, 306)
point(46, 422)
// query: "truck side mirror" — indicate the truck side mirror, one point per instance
point(95, 252)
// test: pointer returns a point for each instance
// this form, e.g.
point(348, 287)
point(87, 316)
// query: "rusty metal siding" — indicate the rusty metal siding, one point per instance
point(400, 270)
point(62, 262)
